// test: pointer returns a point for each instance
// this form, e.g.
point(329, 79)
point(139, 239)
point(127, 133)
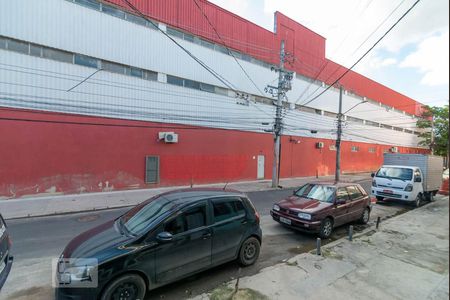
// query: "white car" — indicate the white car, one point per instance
point(445, 174)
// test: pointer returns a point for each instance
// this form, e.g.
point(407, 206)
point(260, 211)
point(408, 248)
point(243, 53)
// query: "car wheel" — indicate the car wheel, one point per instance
point(365, 216)
point(249, 251)
point(126, 287)
point(326, 228)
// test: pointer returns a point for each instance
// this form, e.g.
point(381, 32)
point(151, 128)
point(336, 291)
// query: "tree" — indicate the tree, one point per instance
point(440, 117)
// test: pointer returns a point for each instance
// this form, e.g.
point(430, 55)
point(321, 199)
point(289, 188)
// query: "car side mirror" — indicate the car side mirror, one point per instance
point(372, 175)
point(164, 237)
point(417, 179)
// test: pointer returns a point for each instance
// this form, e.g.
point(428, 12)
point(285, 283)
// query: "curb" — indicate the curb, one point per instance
point(47, 200)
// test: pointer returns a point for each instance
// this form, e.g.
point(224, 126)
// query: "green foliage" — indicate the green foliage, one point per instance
point(440, 118)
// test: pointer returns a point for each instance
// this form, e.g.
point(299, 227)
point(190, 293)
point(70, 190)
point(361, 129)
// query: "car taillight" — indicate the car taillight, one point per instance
point(257, 217)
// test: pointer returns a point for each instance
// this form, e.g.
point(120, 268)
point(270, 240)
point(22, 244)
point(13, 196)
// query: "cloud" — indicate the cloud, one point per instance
point(431, 59)
point(388, 62)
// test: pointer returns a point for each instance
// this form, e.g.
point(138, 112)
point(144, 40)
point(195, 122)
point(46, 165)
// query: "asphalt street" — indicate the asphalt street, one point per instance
point(46, 237)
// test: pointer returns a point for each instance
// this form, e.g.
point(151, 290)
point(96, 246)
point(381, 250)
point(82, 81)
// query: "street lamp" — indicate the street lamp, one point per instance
point(365, 101)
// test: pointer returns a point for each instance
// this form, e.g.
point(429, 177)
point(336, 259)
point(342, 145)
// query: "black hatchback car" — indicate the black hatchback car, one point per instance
point(6, 259)
point(166, 238)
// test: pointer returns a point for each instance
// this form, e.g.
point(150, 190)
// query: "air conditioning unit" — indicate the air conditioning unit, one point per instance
point(168, 137)
point(394, 149)
point(319, 145)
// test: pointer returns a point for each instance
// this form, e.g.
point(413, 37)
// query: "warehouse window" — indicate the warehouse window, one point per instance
point(192, 84)
point(136, 72)
point(89, 3)
point(386, 126)
point(174, 80)
point(2, 43)
point(86, 61)
point(135, 19)
point(374, 124)
point(57, 55)
point(17, 46)
point(207, 44)
point(113, 11)
point(207, 87)
point(174, 32)
point(397, 128)
point(353, 119)
point(152, 169)
point(188, 37)
point(35, 50)
point(408, 131)
point(221, 49)
point(330, 114)
point(332, 147)
point(150, 75)
point(355, 148)
point(113, 67)
point(372, 150)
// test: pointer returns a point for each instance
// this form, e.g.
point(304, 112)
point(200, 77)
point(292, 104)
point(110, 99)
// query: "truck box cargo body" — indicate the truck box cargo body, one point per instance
point(408, 177)
point(430, 165)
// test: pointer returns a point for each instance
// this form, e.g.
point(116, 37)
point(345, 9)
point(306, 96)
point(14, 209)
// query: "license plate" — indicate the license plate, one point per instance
point(388, 191)
point(285, 221)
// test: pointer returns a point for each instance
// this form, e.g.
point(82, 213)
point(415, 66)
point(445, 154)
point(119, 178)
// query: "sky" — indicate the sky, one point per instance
point(412, 59)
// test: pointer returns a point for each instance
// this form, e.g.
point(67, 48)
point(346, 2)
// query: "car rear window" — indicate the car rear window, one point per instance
point(354, 192)
point(190, 219)
point(227, 208)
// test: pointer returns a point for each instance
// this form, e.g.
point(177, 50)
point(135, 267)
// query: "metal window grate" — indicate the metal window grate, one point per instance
point(152, 169)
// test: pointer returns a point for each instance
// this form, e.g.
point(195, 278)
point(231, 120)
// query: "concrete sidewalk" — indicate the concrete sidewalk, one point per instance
point(406, 258)
point(59, 204)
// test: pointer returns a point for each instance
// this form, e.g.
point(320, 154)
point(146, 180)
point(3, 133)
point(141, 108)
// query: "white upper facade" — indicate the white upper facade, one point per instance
point(38, 81)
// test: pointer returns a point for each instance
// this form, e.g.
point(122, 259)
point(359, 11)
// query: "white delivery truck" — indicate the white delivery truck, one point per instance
point(408, 177)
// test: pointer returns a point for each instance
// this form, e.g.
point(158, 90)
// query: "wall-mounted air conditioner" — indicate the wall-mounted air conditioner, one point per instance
point(168, 137)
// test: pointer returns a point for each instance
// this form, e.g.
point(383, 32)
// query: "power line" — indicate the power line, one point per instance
point(224, 44)
point(162, 126)
point(200, 62)
point(210, 70)
point(364, 55)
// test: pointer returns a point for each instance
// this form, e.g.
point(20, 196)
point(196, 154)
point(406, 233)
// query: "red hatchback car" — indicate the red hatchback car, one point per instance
point(319, 207)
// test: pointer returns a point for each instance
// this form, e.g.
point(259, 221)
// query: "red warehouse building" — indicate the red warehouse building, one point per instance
point(93, 97)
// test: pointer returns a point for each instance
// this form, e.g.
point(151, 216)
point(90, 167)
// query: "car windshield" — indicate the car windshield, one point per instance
point(138, 218)
point(323, 193)
point(395, 173)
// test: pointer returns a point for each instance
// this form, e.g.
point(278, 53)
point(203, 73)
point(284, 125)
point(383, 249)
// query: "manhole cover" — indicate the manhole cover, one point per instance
point(88, 218)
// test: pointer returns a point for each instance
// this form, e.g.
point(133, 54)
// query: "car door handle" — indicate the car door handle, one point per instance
point(206, 236)
point(243, 222)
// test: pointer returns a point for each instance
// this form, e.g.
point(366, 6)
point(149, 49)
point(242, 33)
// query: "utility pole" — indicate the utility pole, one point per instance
point(278, 125)
point(339, 135)
point(279, 91)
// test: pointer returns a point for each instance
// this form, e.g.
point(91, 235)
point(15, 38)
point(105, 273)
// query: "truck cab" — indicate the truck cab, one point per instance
point(398, 182)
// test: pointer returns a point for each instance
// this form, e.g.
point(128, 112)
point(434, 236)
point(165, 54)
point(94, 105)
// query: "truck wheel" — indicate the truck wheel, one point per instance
point(379, 199)
point(430, 196)
point(418, 202)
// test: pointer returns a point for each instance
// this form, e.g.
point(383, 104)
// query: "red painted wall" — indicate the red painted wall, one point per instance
point(307, 46)
point(40, 157)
